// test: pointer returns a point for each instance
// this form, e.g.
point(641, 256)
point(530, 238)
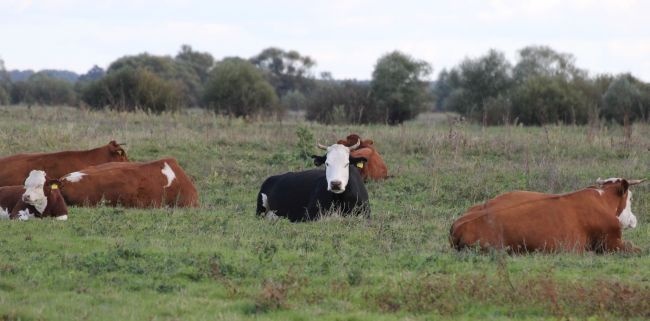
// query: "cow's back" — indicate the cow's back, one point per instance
point(14, 169)
point(289, 194)
point(156, 183)
point(541, 222)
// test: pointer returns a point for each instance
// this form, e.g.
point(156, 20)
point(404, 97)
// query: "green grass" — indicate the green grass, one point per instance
point(220, 262)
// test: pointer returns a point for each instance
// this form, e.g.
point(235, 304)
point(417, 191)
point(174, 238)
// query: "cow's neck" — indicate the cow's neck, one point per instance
point(610, 198)
point(55, 205)
point(94, 156)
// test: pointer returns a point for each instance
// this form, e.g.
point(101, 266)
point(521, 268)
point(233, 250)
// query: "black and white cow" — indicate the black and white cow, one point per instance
point(304, 196)
point(39, 197)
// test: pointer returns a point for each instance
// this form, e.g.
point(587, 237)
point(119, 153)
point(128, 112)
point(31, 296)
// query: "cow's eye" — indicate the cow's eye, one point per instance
point(346, 165)
point(327, 164)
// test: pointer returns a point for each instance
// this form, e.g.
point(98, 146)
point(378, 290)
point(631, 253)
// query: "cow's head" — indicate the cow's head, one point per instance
point(337, 165)
point(116, 153)
point(353, 139)
point(621, 187)
point(40, 191)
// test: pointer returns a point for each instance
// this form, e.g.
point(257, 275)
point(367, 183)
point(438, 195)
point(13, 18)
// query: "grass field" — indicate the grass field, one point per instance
point(220, 262)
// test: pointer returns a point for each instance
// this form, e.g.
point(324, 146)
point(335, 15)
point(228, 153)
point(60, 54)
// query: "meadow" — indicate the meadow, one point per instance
point(220, 262)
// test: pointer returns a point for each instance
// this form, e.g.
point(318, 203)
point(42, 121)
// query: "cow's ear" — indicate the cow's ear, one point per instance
point(319, 160)
point(51, 184)
point(368, 142)
point(359, 162)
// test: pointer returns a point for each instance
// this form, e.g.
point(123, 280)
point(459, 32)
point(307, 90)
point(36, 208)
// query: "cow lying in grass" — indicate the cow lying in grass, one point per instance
point(14, 169)
point(39, 197)
point(152, 184)
point(303, 196)
point(590, 219)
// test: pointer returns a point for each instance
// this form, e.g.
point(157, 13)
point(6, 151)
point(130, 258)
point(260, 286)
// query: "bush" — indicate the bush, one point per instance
point(334, 102)
point(41, 89)
point(542, 100)
point(235, 87)
point(132, 89)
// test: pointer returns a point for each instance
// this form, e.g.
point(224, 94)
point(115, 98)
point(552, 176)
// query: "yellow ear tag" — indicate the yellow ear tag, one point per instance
point(360, 164)
point(54, 186)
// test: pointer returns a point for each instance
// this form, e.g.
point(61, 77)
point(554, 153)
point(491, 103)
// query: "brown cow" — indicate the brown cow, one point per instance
point(39, 197)
point(14, 169)
point(375, 168)
point(590, 219)
point(152, 184)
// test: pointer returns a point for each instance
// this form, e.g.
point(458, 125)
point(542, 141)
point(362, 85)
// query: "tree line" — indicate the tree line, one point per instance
point(544, 86)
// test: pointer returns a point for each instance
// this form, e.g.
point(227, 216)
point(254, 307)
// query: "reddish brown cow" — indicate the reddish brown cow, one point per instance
point(375, 168)
point(153, 184)
point(587, 220)
point(14, 169)
point(39, 197)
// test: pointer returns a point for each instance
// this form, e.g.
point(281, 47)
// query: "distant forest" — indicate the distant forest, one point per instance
point(542, 86)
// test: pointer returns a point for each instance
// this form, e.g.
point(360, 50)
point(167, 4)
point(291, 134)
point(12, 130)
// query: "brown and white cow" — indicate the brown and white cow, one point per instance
point(590, 219)
point(14, 169)
point(152, 184)
point(375, 168)
point(39, 197)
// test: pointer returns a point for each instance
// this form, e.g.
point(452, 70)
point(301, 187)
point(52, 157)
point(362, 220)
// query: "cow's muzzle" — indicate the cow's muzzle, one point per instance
point(336, 187)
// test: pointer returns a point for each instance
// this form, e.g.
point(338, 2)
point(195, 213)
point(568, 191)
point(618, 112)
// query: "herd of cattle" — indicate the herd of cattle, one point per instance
point(44, 184)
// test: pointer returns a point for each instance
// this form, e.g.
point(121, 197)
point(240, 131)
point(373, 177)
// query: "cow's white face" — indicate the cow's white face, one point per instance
point(34, 194)
point(627, 218)
point(337, 168)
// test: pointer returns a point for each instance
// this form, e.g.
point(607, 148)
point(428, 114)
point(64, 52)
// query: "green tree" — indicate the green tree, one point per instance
point(624, 100)
point(333, 102)
point(42, 89)
point(5, 85)
point(549, 99)
point(535, 61)
point(550, 88)
point(181, 76)
point(235, 87)
point(285, 70)
point(398, 88)
point(129, 89)
point(200, 62)
point(468, 88)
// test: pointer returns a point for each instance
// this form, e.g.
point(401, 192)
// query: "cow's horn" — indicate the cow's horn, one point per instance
point(636, 181)
point(122, 144)
point(355, 146)
point(321, 146)
point(600, 181)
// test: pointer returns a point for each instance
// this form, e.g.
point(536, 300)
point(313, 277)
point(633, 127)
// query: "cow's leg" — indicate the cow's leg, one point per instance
point(616, 244)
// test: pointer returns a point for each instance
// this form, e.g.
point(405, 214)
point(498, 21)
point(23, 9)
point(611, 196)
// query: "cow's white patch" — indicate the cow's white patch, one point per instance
point(627, 218)
point(167, 171)
point(4, 214)
point(74, 177)
point(600, 191)
point(336, 170)
point(25, 215)
point(268, 214)
point(265, 201)
point(62, 218)
point(34, 194)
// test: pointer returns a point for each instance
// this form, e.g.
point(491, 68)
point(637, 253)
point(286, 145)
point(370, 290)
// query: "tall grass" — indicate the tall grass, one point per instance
point(220, 262)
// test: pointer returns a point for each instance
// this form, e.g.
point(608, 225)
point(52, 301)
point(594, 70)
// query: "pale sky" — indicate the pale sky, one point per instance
point(345, 37)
